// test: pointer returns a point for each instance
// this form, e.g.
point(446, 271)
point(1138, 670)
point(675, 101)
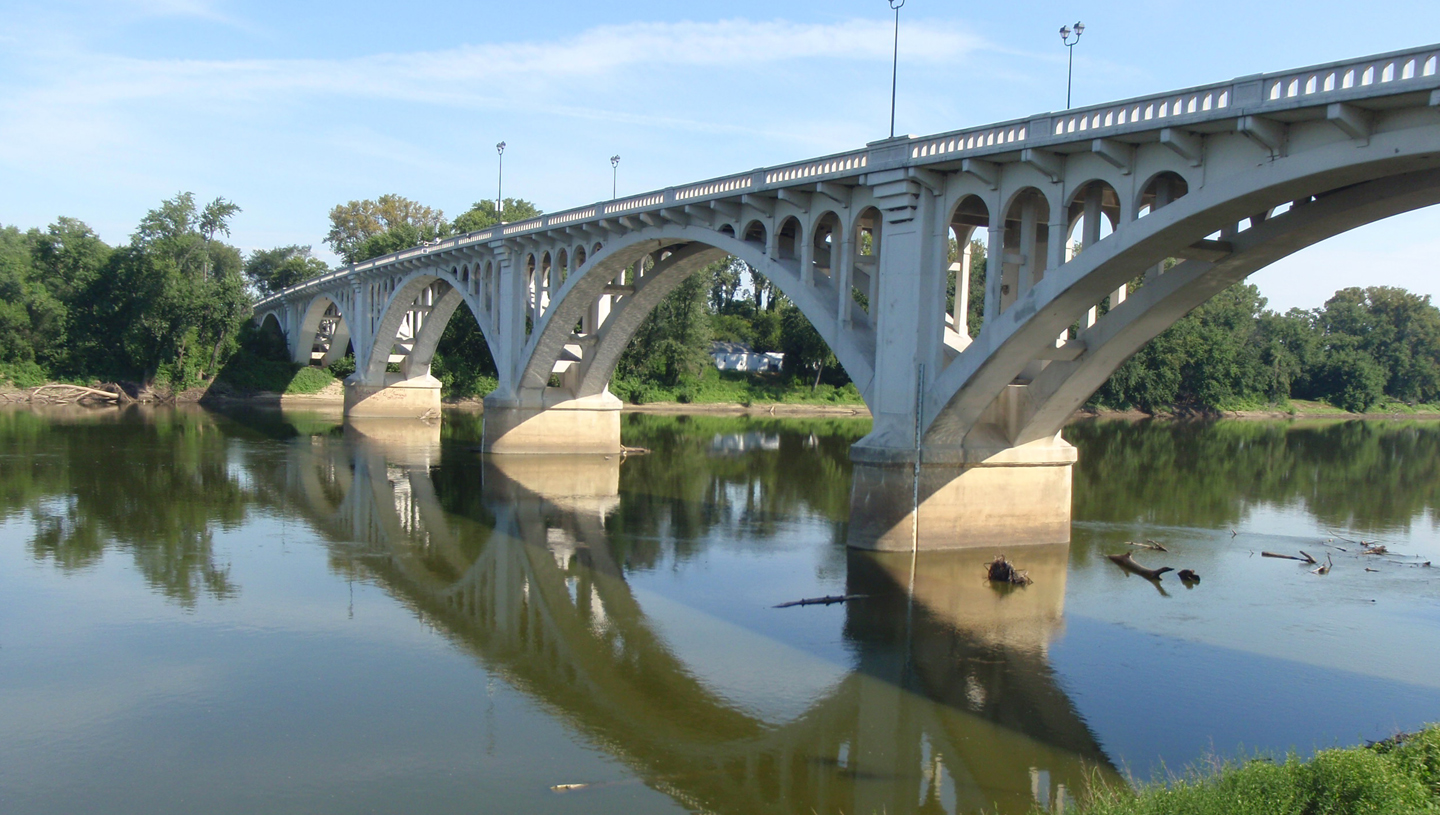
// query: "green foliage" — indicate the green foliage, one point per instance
point(673, 342)
point(462, 361)
point(1362, 347)
point(483, 215)
point(357, 227)
point(274, 269)
point(1382, 778)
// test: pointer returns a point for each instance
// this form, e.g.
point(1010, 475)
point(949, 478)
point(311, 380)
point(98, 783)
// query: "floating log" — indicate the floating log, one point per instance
point(1323, 569)
point(1127, 562)
point(822, 601)
point(1283, 557)
point(1148, 544)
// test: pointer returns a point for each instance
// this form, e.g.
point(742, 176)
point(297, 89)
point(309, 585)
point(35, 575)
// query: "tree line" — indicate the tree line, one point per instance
point(171, 309)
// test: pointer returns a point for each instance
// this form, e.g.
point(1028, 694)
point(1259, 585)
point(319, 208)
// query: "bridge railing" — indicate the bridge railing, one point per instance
point(1378, 75)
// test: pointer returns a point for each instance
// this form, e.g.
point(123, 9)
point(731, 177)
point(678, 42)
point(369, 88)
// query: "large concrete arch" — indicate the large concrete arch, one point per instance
point(691, 249)
point(1010, 341)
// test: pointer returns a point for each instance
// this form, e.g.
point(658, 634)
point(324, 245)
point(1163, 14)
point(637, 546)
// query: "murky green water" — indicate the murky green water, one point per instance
point(271, 612)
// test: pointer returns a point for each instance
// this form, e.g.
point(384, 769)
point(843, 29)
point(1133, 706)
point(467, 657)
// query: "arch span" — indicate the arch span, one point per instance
point(998, 358)
point(680, 251)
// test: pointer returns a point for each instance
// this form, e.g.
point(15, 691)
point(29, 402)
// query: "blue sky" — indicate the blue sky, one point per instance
point(106, 108)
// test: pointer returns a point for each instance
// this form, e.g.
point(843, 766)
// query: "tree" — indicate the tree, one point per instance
point(274, 269)
point(805, 350)
point(673, 343)
point(482, 215)
point(354, 224)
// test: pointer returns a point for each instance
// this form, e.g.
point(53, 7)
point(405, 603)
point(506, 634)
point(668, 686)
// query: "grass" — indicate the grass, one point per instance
point(245, 374)
point(1395, 776)
point(715, 387)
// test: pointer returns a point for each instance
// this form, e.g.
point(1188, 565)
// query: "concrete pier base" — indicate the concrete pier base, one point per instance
point(1004, 503)
point(397, 399)
point(586, 426)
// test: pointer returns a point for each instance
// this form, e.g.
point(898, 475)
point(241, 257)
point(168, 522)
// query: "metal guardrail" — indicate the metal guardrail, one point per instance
point(1371, 76)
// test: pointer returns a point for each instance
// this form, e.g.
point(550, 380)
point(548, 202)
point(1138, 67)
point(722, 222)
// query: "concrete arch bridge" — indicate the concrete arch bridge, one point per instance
point(951, 708)
point(1073, 208)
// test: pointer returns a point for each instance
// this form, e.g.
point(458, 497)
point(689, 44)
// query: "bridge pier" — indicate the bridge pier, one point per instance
point(558, 424)
point(396, 397)
point(1014, 497)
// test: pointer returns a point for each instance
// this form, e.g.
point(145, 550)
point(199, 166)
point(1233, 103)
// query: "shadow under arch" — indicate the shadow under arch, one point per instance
point(532, 587)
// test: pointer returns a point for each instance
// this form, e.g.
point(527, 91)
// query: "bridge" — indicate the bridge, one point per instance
point(951, 705)
point(1102, 226)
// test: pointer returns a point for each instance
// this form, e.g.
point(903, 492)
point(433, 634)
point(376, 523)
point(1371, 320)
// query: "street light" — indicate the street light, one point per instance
point(1065, 32)
point(895, 63)
point(614, 174)
point(500, 184)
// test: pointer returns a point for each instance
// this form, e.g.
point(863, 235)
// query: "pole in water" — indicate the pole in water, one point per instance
point(895, 63)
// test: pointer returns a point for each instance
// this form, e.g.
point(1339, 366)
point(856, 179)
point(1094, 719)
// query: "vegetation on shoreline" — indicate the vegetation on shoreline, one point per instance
point(1400, 775)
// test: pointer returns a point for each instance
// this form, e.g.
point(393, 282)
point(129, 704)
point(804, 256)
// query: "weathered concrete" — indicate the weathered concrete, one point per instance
point(398, 398)
point(586, 426)
point(963, 506)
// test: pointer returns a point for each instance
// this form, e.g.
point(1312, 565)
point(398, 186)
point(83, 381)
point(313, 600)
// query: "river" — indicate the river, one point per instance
point(271, 611)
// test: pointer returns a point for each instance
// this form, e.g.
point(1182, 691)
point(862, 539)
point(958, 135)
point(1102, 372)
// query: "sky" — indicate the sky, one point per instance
point(287, 109)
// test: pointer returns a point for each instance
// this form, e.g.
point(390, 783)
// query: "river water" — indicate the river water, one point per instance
point(263, 611)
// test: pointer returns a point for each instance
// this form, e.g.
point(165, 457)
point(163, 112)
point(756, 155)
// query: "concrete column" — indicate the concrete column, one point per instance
point(806, 254)
point(1091, 236)
point(845, 270)
point(962, 289)
point(994, 266)
point(906, 322)
point(1029, 240)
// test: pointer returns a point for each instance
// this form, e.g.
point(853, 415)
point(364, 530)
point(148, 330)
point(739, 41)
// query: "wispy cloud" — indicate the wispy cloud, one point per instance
point(479, 74)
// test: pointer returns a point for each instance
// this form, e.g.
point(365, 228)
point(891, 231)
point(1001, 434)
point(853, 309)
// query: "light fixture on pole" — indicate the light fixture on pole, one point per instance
point(1065, 32)
point(500, 183)
point(895, 63)
point(614, 174)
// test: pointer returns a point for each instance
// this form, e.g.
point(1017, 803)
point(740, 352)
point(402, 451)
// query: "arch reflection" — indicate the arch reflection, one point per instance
point(950, 707)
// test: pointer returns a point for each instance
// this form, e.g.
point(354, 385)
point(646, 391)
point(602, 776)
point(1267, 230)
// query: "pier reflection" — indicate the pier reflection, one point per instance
point(950, 706)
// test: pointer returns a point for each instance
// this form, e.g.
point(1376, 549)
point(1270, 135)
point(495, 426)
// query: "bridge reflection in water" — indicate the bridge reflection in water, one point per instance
point(950, 706)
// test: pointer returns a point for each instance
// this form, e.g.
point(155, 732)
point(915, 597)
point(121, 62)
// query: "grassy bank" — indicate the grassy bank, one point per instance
point(736, 388)
point(1395, 776)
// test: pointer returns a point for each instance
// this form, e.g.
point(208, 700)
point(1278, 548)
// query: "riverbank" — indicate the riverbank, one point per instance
point(1397, 775)
point(297, 386)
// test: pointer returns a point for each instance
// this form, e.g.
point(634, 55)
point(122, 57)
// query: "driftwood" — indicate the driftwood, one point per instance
point(822, 601)
point(64, 394)
point(1148, 544)
point(1323, 569)
point(1001, 570)
point(1127, 562)
point(1373, 549)
point(1188, 576)
point(1303, 558)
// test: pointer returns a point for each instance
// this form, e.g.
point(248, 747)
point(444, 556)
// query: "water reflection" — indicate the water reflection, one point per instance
point(152, 484)
point(1364, 476)
point(951, 708)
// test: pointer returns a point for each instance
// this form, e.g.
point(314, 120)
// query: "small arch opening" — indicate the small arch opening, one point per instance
point(1162, 190)
point(788, 239)
point(755, 233)
point(825, 246)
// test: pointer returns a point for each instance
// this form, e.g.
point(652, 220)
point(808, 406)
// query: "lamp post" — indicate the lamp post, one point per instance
point(614, 174)
point(1065, 32)
point(895, 63)
point(500, 184)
